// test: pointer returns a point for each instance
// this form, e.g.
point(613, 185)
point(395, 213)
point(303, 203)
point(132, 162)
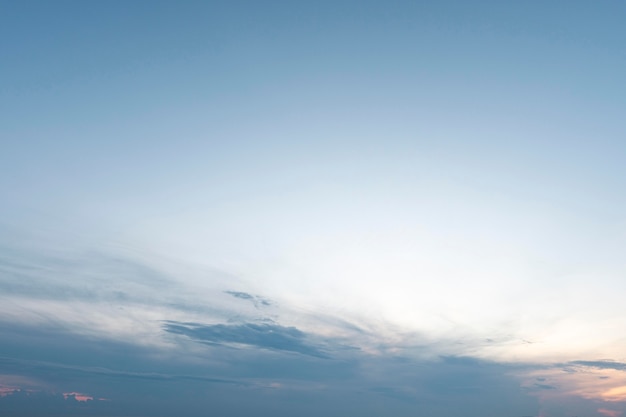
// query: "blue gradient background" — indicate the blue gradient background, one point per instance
point(340, 208)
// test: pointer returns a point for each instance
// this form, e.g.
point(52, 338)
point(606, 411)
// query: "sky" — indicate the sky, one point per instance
point(338, 208)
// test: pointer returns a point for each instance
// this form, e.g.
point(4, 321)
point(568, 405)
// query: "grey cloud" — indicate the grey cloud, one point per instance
point(61, 371)
point(101, 367)
point(601, 364)
point(266, 336)
point(101, 277)
point(255, 299)
point(272, 379)
point(240, 294)
point(544, 386)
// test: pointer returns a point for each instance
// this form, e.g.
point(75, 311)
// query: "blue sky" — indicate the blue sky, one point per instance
point(314, 208)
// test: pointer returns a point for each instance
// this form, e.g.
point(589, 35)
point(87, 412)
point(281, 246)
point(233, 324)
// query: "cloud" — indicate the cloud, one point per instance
point(266, 336)
point(609, 413)
point(115, 334)
point(544, 386)
point(77, 396)
point(255, 299)
point(240, 294)
point(603, 364)
point(4, 390)
point(271, 366)
point(577, 387)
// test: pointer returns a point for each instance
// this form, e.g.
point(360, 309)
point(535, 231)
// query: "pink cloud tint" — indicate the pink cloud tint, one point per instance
point(4, 391)
point(78, 396)
point(609, 413)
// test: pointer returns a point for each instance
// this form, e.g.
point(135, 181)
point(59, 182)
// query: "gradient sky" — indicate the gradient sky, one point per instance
point(338, 208)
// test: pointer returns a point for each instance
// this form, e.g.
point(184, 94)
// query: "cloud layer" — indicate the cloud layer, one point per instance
point(221, 345)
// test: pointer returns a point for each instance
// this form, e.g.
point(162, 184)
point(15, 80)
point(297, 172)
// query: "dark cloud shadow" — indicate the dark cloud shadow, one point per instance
point(265, 336)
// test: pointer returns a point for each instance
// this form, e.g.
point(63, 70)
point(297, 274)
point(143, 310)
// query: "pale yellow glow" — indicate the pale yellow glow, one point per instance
point(607, 385)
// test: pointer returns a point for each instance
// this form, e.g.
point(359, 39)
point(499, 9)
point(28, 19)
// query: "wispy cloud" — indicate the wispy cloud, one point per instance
point(610, 413)
point(265, 336)
point(255, 299)
point(604, 364)
point(115, 332)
